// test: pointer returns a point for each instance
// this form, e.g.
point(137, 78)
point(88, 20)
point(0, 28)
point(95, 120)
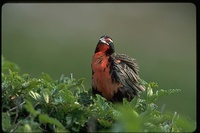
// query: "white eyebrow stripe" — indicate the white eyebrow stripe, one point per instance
point(103, 41)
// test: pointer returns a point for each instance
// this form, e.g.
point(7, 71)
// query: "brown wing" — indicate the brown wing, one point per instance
point(130, 62)
point(124, 70)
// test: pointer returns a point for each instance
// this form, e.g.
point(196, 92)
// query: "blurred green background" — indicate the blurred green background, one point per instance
point(61, 38)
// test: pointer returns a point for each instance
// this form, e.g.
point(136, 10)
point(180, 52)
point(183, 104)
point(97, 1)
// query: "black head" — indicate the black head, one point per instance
point(105, 45)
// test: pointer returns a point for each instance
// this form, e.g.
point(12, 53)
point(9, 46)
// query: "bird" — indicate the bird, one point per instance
point(114, 76)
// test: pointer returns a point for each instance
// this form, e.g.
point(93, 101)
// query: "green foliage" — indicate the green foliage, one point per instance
point(64, 105)
point(6, 65)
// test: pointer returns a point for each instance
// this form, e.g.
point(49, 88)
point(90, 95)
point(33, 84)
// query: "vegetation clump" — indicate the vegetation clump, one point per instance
point(65, 105)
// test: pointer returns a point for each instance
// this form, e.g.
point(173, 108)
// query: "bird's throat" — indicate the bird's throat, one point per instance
point(102, 48)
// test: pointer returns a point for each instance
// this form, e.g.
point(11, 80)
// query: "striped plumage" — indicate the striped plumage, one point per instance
point(114, 76)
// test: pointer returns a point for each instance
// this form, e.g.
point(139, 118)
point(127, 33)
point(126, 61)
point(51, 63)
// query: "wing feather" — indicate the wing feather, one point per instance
point(125, 70)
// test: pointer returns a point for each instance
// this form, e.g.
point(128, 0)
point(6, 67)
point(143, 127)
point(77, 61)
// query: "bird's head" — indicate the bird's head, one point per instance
point(105, 45)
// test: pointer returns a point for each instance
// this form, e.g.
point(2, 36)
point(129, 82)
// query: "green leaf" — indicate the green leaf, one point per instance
point(61, 86)
point(81, 80)
point(27, 128)
point(6, 125)
point(43, 118)
point(29, 107)
point(28, 125)
point(101, 103)
point(153, 84)
point(186, 125)
point(35, 95)
point(152, 97)
point(6, 65)
point(45, 94)
point(105, 123)
point(46, 77)
point(67, 96)
point(130, 120)
point(31, 84)
point(166, 92)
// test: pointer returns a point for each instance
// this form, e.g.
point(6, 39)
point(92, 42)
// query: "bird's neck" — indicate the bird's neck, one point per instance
point(104, 49)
